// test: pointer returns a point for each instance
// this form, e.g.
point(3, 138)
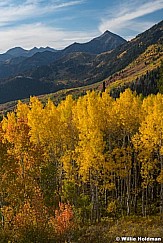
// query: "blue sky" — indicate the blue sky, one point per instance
point(58, 23)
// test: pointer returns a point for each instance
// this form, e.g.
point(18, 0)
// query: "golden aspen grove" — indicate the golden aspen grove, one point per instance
point(79, 163)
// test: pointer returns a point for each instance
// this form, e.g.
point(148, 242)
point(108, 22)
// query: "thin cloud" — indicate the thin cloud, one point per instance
point(11, 13)
point(126, 14)
point(42, 35)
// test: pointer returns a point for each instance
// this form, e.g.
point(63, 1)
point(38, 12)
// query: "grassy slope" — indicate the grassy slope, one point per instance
point(107, 231)
point(147, 61)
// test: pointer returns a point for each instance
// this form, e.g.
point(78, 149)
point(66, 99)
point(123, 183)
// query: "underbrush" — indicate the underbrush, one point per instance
point(104, 232)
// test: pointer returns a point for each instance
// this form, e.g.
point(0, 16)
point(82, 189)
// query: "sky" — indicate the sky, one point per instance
point(59, 23)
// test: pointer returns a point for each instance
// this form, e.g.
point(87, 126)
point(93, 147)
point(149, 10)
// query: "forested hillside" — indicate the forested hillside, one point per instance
point(141, 75)
point(67, 166)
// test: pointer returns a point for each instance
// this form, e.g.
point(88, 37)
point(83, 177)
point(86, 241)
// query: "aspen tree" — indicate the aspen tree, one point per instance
point(44, 123)
point(69, 136)
point(128, 117)
point(16, 136)
point(90, 156)
point(149, 144)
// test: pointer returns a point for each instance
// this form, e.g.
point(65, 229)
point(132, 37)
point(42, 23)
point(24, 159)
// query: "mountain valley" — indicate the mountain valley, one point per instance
point(45, 70)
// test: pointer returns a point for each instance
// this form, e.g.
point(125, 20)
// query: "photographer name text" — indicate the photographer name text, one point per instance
point(139, 238)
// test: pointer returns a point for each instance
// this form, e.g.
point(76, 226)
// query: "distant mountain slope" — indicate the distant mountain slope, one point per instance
point(107, 64)
point(22, 87)
point(106, 42)
point(90, 69)
point(59, 70)
point(17, 60)
point(18, 51)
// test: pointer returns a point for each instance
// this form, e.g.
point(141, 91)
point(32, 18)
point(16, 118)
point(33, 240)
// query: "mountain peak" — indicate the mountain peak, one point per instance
point(105, 42)
point(107, 32)
point(34, 48)
point(16, 51)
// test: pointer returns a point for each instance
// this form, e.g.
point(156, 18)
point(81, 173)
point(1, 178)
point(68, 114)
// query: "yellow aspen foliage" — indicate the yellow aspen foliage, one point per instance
point(148, 104)
point(128, 110)
point(44, 123)
point(21, 166)
point(8, 214)
point(16, 131)
point(108, 120)
point(69, 135)
point(35, 120)
point(112, 207)
point(51, 134)
point(123, 161)
point(152, 126)
point(91, 145)
point(9, 127)
point(103, 155)
point(22, 110)
point(150, 138)
point(160, 177)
